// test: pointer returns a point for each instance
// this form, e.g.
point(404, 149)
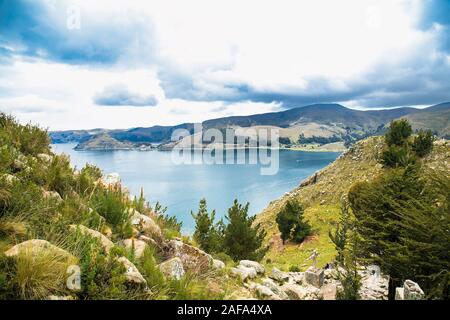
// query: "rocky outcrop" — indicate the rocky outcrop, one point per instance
point(374, 284)
point(279, 275)
point(104, 241)
point(298, 292)
point(193, 259)
point(172, 268)
point(314, 277)
point(217, 264)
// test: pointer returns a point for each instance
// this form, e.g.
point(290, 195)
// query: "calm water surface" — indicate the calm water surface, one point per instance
point(180, 187)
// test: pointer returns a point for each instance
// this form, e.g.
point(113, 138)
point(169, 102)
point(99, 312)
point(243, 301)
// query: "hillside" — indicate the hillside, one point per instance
point(103, 141)
point(321, 194)
point(305, 128)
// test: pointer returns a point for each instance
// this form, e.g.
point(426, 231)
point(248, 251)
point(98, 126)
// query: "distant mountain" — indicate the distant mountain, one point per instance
point(104, 141)
point(318, 124)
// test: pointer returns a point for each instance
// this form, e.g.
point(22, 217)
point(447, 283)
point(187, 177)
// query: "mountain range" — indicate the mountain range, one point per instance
point(318, 124)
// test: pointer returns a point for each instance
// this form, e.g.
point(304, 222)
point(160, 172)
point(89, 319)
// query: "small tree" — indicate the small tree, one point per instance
point(423, 142)
point(398, 133)
point(339, 236)
point(291, 222)
point(243, 240)
point(205, 233)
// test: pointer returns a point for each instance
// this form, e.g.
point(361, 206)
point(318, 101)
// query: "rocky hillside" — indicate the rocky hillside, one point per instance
point(321, 194)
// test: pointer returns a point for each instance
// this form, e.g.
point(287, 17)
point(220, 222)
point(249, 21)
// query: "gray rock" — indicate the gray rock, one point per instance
point(132, 273)
point(412, 291)
point(399, 293)
point(279, 275)
point(253, 264)
point(374, 285)
point(217, 264)
point(297, 292)
point(9, 178)
point(145, 223)
point(269, 283)
point(194, 260)
point(138, 246)
point(172, 268)
point(104, 241)
point(244, 273)
point(314, 277)
point(52, 195)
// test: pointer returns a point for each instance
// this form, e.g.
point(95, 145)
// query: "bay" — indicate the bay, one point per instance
point(180, 187)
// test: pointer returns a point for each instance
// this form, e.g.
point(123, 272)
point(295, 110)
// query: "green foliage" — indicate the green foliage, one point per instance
point(291, 222)
point(294, 269)
point(423, 143)
point(397, 156)
point(207, 234)
point(340, 235)
point(242, 240)
point(403, 218)
point(398, 133)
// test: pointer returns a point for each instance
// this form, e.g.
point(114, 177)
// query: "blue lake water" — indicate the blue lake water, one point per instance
point(180, 187)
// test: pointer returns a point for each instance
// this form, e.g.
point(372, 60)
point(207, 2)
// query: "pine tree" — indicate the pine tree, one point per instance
point(242, 240)
point(205, 233)
point(399, 132)
point(403, 218)
point(291, 222)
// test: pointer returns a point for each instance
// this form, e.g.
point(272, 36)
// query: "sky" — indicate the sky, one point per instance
point(130, 63)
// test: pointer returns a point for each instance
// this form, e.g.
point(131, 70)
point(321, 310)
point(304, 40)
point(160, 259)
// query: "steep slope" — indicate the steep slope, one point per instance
point(321, 194)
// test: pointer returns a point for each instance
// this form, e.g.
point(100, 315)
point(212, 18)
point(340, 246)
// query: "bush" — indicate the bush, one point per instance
point(423, 143)
point(397, 156)
point(290, 222)
point(398, 133)
point(207, 234)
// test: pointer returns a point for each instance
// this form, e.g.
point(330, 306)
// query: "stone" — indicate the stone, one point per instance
point(265, 292)
point(194, 260)
point(111, 179)
point(39, 247)
point(314, 277)
point(296, 277)
point(269, 283)
point(279, 275)
point(52, 195)
point(244, 273)
point(297, 292)
point(328, 291)
point(253, 264)
point(138, 246)
point(45, 157)
point(374, 285)
point(172, 268)
point(399, 293)
point(217, 264)
point(104, 241)
point(107, 232)
point(9, 178)
point(132, 273)
point(145, 224)
point(412, 291)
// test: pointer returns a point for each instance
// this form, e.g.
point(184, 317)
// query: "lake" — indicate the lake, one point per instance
point(180, 187)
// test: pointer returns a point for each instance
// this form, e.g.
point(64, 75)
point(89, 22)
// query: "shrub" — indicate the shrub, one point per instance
point(111, 203)
point(398, 133)
point(207, 234)
point(242, 240)
point(423, 143)
point(291, 222)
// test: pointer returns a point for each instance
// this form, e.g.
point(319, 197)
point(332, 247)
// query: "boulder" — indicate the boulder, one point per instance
point(52, 195)
point(314, 277)
point(328, 291)
point(217, 264)
point(412, 291)
point(296, 277)
point(399, 293)
point(138, 246)
point(253, 264)
point(265, 292)
point(374, 285)
point(193, 259)
point(172, 268)
point(132, 273)
point(145, 224)
point(279, 275)
point(297, 292)
point(244, 273)
point(269, 283)
point(104, 241)
point(40, 247)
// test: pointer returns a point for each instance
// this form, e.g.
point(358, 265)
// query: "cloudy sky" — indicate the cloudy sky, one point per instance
point(127, 63)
